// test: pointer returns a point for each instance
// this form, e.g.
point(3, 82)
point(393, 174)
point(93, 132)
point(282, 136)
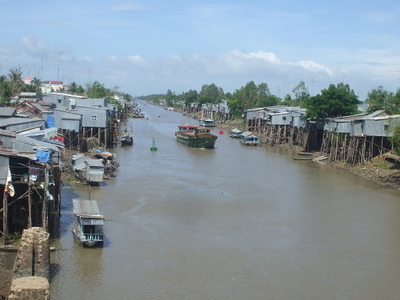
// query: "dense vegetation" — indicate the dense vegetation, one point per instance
point(336, 100)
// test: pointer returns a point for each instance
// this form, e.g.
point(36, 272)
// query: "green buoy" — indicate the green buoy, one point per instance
point(153, 146)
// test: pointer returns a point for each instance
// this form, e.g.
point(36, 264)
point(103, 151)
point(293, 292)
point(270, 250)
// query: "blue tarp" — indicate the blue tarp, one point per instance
point(43, 156)
point(50, 121)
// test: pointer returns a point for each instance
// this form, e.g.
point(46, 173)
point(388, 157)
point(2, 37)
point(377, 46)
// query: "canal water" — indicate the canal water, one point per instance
point(230, 223)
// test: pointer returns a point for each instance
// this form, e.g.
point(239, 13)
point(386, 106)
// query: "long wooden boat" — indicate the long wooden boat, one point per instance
point(126, 139)
point(88, 223)
point(196, 137)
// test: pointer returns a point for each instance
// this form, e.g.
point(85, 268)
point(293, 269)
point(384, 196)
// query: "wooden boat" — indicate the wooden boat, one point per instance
point(206, 123)
point(304, 153)
point(249, 139)
point(88, 222)
point(235, 133)
point(196, 137)
point(126, 139)
point(304, 157)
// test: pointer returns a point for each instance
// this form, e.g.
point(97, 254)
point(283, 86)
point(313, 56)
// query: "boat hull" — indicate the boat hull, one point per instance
point(88, 242)
point(127, 141)
point(199, 142)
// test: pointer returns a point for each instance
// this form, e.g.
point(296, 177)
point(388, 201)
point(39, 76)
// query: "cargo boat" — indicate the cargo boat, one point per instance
point(196, 137)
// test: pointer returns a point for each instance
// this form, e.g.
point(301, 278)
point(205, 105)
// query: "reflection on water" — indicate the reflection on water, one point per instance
point(234, 222)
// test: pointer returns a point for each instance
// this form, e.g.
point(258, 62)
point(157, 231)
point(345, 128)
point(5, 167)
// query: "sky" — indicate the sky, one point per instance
point(150, 47)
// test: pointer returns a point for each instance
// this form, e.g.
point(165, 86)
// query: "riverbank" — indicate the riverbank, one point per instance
point(378, 170)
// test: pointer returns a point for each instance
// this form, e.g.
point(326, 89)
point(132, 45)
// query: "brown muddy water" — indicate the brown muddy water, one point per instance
point(230, 223)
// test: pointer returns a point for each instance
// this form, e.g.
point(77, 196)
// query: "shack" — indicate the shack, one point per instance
point(88, 169)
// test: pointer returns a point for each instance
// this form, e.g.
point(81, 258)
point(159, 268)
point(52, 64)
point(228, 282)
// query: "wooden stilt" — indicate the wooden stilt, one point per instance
point(5, 213)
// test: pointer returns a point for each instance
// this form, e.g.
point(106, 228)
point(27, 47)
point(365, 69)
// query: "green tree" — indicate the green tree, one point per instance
point(73, 87)
point(288, 100)
point(170, 98)
point(263, 94)
point(379, 99)
point(36, 85)
point(98, 90)
point(335, 101)
point(210, 93)
point(5, 90)
point(15, 80)
point(191, 97)
point(395, 139)
point(239, 100)
point(395, 103)
point(80, 90)
point(236, 106)
point(250, 95)
point(301, 94)
point(271, 100)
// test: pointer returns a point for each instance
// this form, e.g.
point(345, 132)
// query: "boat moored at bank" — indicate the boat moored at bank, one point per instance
point(88, 223)
point(249, 139)
point(235, 133)
point(206, 123)
point(126, 139)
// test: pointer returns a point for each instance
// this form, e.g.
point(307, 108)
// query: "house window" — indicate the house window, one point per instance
point(59, 100)
point(386, 127)
point(94, 118)
point(284, 118)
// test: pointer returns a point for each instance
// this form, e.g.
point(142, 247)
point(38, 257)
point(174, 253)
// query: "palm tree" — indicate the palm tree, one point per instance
point(37, 83)
point(72, 87)
point(16, 82)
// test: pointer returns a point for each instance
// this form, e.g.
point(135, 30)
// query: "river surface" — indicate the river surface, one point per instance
point(233, 222)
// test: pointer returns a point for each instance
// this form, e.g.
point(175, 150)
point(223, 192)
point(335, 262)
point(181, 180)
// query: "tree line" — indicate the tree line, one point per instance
point(334, 101)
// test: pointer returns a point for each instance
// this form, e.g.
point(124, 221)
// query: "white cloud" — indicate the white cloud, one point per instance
point(34, 46)
point(312, 67)
point(137, 60)
point(260, 56)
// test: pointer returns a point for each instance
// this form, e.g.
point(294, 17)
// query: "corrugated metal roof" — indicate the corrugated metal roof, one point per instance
point(38, 106)
point(94, 163)
point(86, 208)
point(23, 143)
point(7, 111)
point(7, 133)
point(80, 161)
point(247, 133)
point(386, 117)
point(5, 152)
point(12, 121)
